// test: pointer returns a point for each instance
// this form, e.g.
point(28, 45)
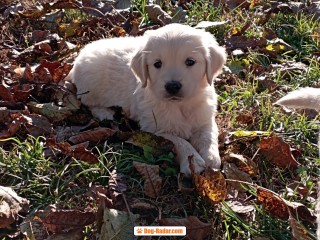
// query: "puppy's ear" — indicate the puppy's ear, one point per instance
point(139, 67)
point(215, 59)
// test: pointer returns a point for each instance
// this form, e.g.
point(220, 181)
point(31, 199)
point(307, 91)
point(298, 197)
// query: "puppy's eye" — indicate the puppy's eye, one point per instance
point(190, 62)
point(157, 64)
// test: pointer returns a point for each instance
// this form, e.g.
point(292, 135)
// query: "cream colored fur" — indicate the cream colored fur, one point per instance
point(305, 98)
point(121, 72)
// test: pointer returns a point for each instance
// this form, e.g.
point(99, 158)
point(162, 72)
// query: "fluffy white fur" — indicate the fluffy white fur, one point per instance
point(121, 72)
point(305, 98)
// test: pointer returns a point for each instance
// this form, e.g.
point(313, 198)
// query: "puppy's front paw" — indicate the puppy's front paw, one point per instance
point(213, 160)
point(197, 162)
point(211, 157)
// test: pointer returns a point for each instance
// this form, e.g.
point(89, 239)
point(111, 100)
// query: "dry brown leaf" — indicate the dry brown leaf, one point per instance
point(299, 232)
point(243, 163)
point(51, 66)
point(84, 155)
point(34, 229)
point(245, 117)
point(196, 230)
point(13, 127)
point(239, 207)
point(61, 72)
point(232, 172)
point(300, 210)
point(22, 92)
point(156, 14)
point(73, 234)
point(158, 145)
point(243, 42)
point(117, 224)
point(37, 125)
point(117, 182)
point(150, 175)
point(50, 110)
point(298, 187)
point(278, 152)
point(5, 94)
point(57, 221)
point(272, 204)
point(94, 136)
point(211, 184)
point(10, 206)
point(77, 151)
point(27, 74)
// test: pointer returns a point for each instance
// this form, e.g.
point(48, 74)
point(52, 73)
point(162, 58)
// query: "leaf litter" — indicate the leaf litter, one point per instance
point(36, 56)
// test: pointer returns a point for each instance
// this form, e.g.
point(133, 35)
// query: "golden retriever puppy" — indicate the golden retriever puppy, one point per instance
point(305, 98)
point(164, 80)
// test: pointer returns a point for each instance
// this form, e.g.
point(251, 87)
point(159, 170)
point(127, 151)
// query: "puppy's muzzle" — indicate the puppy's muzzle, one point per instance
point(173, 87)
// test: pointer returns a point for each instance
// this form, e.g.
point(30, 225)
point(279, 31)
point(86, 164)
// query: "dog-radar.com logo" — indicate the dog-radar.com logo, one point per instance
point(160, 231)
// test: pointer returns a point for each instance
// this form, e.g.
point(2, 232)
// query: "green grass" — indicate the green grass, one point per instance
point(297, 30)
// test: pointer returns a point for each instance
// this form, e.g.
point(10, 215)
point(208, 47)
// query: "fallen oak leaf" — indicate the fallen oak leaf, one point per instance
point(150, 175)
point(278, 152)
point(196, 230)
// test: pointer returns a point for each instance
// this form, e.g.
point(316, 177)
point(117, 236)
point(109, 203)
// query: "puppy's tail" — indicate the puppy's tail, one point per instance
point(302, 98)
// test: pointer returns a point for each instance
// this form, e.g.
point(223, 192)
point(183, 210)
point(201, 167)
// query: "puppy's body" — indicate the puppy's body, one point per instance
point(305, 98)
point(163, 80)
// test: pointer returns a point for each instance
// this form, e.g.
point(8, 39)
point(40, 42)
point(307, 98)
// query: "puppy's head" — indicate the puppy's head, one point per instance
point(177, 61)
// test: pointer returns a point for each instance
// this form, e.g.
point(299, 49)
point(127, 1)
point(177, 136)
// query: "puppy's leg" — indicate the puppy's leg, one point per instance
point(183, 150)
point(205, 140)
point(102, 113)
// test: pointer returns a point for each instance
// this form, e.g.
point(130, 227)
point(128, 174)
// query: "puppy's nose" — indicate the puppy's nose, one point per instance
point(173, 87)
